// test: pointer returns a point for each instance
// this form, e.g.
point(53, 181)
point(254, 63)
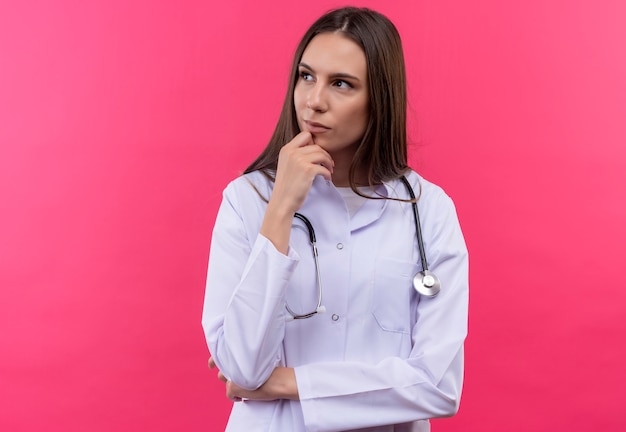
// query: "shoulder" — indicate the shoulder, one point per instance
point(247, 196)
point(250, 184)
point(427, 192)
point(440, 220)
point(437, 209)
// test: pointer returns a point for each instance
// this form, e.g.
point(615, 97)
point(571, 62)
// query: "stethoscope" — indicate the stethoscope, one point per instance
point(424, 282)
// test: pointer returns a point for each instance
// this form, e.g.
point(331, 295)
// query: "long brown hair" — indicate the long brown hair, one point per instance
point(383, 148)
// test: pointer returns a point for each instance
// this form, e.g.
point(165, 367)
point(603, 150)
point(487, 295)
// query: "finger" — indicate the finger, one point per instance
point(301, 140)
point(312, 154)
point(221, 377)
point(322, 170)
point(322, 158)
point(231, 390)
point(314, 149)
point(211, 363)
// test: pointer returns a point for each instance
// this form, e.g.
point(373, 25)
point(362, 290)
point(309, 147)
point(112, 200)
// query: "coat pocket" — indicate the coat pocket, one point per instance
point(392, 294)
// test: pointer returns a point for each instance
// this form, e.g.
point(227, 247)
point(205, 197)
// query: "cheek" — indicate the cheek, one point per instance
point(298, 98)
point(360, 118)
point(360, 111)
point(355, 123)
point(298, 108)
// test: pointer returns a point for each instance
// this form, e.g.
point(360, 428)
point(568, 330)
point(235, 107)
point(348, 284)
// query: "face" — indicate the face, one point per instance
point(331, 96)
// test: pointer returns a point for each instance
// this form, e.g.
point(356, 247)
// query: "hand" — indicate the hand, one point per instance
point(280, 385)
point(231, 388)
point(299, 162)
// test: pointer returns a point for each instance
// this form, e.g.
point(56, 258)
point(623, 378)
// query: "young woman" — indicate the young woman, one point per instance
point(310, 314)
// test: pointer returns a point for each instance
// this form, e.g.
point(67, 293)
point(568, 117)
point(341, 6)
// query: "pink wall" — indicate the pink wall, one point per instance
point(121, 122)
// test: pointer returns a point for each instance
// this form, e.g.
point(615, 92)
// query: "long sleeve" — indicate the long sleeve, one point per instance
point(343, 395)
point(243, 316)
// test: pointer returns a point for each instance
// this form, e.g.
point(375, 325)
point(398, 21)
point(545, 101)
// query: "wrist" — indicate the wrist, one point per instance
point(279, 209)
point(276, 226)
point(284, 384)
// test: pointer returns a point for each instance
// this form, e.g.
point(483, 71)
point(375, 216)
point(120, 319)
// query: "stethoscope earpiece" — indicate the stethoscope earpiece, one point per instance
point(426, 284)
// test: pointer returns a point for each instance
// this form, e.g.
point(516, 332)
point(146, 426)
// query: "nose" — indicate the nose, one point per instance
point(316, 98)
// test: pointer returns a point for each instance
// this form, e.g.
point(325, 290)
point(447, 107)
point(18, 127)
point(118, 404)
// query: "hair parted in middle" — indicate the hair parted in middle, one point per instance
point(382, 153)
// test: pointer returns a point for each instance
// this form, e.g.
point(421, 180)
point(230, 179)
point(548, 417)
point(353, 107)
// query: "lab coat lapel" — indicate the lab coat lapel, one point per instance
point(371, 210)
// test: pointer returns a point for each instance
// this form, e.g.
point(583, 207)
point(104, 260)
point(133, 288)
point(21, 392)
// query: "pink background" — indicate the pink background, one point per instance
point(121, 122)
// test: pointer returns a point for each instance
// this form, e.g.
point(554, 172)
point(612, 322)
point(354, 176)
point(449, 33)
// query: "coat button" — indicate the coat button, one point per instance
point(335, 317)
point(339, 246)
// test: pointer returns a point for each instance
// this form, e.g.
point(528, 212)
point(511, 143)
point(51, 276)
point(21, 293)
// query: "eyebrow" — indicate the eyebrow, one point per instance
point(335, 75)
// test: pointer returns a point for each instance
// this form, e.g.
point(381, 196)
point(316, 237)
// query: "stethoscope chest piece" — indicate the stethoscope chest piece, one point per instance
point(426, 284)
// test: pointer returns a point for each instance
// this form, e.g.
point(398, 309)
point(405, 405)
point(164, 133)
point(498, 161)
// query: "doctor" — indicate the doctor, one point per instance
point(337, 339)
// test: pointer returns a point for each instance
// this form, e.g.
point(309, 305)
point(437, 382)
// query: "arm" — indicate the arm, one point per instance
point(280, 385)
point(251, 264)
point(243, 316)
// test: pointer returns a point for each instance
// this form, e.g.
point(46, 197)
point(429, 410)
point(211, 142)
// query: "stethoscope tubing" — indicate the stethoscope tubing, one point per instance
point(312, 239)
point(418, 225)
point(424, 282)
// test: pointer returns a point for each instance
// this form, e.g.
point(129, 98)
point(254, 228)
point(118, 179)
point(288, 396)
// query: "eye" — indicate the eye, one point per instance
point(343, 84)
point(305, 76)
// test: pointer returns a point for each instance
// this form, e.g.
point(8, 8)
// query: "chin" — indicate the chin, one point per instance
point(321, 141)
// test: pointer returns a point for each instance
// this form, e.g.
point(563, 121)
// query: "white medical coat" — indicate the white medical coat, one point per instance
point(381, 358)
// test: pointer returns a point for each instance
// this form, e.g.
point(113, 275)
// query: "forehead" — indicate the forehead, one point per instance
point(335, 53)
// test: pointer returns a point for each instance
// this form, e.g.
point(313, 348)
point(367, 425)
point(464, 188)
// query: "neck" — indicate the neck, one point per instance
point(341, 170)
point(340, 181)
point(341, 175)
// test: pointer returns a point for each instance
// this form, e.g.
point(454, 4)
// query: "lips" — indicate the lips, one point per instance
point(315, 127)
